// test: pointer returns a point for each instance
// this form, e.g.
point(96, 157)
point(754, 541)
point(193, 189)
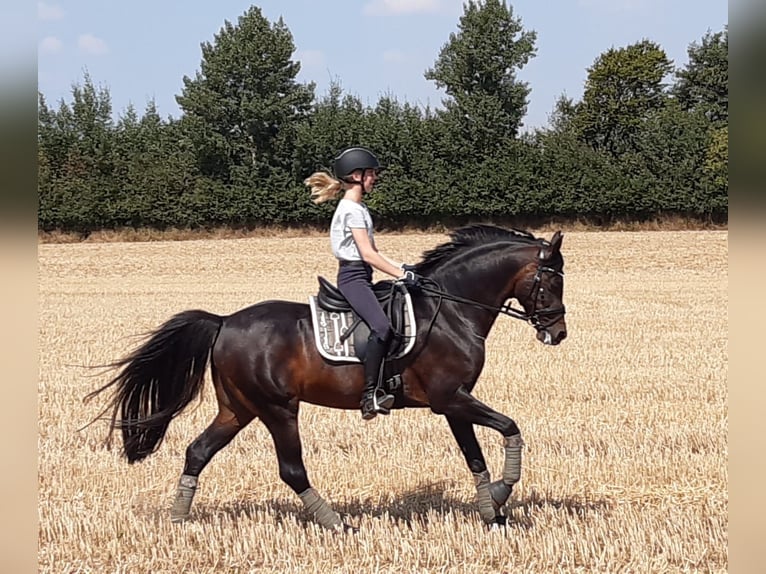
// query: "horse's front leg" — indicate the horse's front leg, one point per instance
point(466, 440)
point(462, 411)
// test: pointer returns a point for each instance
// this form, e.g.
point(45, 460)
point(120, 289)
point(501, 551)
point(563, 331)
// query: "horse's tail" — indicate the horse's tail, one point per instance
point(159, 379)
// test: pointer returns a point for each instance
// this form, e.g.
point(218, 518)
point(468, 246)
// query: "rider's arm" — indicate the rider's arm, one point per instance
point(391, 261)
point(370, 254)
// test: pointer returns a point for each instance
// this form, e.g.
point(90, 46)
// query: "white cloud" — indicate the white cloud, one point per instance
point(394, 56)
point(49, 45)
point(47, 11)
point(90, 44)
point(383, 7)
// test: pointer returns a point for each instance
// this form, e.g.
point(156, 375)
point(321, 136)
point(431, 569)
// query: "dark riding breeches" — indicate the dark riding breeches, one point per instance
point(355, 283)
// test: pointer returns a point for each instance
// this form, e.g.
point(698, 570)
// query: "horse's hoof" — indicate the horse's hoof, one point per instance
point(497, 523)
point(348, 529)
point(500, 493)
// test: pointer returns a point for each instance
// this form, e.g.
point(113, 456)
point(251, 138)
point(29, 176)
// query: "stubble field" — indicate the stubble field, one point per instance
point(625, 468)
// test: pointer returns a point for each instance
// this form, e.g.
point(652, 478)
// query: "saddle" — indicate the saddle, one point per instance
point(341, 335)
point(331, 299)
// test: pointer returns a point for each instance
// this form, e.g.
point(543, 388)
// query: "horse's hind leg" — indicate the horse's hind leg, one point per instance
point(282, 422)
point(224, 427)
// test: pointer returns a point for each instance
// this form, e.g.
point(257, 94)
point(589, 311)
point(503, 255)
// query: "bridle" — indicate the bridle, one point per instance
point(537, 314)
point(539, 318)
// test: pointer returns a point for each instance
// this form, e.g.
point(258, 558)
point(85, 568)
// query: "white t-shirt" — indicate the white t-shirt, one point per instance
point(349, 215)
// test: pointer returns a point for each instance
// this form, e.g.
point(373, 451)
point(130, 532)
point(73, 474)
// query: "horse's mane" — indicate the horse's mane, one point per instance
point(467, 237)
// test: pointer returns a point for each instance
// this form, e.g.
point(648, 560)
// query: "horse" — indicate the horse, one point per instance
point(264, 362)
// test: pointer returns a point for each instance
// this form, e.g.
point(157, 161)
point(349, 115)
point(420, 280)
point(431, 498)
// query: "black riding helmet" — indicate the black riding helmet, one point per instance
point(354, 158)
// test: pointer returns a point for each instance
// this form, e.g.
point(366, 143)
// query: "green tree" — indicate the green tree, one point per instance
point(703, 84)
point(335, 121)
point(477, 69)
point(78, 189)
point(624, 87)
point(472, 141)
point(563, 116)
point(243, 106)
point(716, 167)
point(407, 189)
point(50, 158)
point(666, 169)
point(156, 171)
point(575, 180)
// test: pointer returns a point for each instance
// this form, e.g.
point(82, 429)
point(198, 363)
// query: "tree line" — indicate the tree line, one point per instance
point(636, 146)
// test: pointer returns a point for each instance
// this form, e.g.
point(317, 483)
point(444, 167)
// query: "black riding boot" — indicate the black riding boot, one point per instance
point(374, 400)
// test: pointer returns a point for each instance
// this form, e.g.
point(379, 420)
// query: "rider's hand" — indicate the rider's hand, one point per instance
point(410, 278)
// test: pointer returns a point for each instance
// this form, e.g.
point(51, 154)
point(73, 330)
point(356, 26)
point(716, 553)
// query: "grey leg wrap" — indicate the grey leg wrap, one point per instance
point(486, 508)
point(512, 468)
point(187, 487)
point(500, 490)
point(320, 510)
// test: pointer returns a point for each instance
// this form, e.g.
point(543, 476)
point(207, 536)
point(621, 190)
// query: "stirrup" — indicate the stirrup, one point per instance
point(375, 403)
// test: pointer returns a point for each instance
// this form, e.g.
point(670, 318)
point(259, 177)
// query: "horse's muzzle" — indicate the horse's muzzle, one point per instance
point(552, 335)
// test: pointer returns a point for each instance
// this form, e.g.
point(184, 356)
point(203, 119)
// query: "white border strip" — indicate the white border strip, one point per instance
point(413, 327)
point(318, 343)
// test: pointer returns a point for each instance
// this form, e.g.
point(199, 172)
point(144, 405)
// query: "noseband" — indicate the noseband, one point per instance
point(535, 317)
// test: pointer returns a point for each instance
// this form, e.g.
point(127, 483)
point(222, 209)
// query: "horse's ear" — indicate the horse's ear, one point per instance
point(556, 241)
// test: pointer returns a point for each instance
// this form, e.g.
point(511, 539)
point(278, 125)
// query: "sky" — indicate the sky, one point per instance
point(140, 50)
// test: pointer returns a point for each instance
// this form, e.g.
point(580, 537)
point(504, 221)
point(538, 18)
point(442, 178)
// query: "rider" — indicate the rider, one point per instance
point(356, 170)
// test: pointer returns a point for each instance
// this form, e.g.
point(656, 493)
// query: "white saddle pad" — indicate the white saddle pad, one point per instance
point(329, 326)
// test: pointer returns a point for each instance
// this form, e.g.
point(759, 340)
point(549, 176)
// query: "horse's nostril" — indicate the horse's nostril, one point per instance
point(562, 335)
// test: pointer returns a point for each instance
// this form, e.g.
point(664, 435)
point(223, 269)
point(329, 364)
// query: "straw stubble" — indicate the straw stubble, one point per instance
point(625, 423)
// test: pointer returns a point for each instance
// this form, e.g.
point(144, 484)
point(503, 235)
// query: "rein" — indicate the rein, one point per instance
point(431, 286)
point(505, 309)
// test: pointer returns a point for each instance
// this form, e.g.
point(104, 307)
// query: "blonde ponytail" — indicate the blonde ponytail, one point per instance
point(323, 186)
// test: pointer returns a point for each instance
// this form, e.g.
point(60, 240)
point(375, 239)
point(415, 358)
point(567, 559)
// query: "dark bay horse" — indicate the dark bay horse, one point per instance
point(264, 362)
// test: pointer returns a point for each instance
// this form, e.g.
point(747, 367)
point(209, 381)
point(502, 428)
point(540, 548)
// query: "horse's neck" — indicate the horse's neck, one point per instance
point(483, 276)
